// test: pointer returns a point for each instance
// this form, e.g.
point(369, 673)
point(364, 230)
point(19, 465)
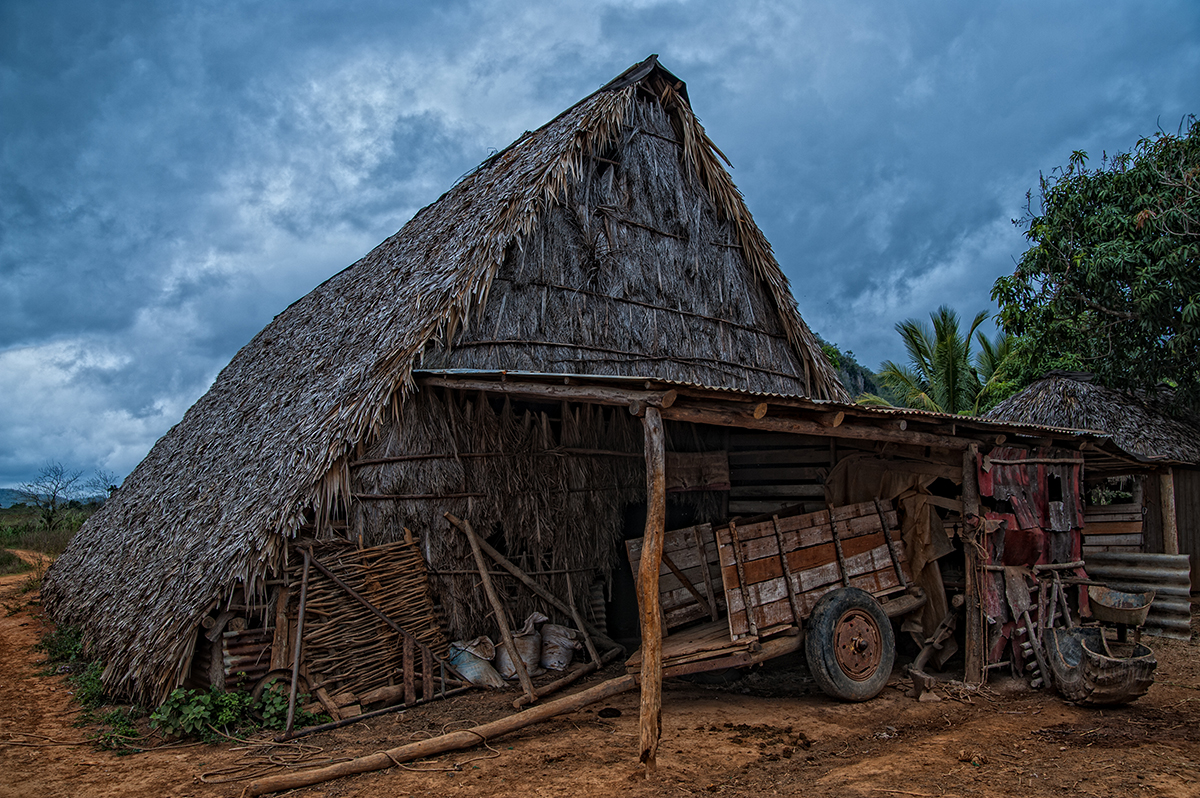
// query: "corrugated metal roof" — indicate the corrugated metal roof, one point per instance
point(646, 383)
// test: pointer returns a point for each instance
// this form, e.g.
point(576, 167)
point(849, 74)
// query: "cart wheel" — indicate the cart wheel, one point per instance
point(850, 645)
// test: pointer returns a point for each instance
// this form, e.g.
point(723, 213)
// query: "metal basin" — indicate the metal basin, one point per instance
point(1115, 606)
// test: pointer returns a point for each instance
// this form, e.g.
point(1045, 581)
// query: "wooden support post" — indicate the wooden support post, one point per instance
point(427, 685)
point(410, 667)
point(1170, 527)
point(650, 714)
point(837, 547)
point(974, 654)
point(497, 607)
point(578, 618)
point(291, 713)
point(279, 642)
point(891, 544)
point(597, 633)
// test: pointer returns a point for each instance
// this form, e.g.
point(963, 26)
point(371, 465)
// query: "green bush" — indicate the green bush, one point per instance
point(117, 730)
point(208, 714)
point(62, 645)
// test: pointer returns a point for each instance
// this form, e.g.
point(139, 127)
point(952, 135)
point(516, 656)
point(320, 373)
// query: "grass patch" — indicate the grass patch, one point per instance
point(11, 563)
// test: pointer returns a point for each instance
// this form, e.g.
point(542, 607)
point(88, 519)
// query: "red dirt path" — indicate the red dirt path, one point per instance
point(766, 735)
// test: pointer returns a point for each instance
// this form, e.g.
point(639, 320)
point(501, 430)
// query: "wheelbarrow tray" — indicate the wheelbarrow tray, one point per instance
point(1088, 671)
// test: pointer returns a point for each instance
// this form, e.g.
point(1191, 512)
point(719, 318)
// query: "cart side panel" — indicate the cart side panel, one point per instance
point(755, 575)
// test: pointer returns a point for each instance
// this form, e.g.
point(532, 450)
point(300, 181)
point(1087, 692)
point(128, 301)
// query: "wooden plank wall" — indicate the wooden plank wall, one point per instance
point(769, 471)
point(692, 550)
point(811, 563)
point(1187, 517)
point(1113, 527)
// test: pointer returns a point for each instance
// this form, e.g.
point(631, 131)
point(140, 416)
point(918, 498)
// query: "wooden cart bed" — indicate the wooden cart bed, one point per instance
point(779, 568)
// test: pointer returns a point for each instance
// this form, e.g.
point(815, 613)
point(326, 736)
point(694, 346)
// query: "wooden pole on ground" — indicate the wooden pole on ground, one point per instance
point(973, 672)
point(1170, 527)
point(650, 717)
point(572, 676)
point(440, 745)
point(497, 607)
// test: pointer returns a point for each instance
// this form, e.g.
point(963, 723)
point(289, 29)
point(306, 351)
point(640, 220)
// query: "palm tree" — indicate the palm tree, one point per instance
point(941, 374)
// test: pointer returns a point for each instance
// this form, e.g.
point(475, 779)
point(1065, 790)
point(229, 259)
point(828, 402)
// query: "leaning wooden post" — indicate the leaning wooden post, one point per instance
point(291, 713)
point(1170, 527)
point(497, 607)
point(973, 672)
point(650, 723)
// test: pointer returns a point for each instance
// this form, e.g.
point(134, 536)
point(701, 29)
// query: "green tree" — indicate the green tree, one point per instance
point(1111, 282)
point(941, 373)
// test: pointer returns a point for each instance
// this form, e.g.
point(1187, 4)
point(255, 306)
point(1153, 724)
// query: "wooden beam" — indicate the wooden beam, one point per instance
point(297, 648)
point(453, 741)
point(830, 419)
point(974, 655)
point(650, 611)
point(1170, 525)
point(595, 394)
point(802, 426)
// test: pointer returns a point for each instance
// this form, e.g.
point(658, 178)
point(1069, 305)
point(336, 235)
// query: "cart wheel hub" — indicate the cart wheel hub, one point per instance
point(858, 645)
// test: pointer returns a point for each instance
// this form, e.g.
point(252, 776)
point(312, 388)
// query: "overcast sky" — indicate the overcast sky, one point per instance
point(174, 174)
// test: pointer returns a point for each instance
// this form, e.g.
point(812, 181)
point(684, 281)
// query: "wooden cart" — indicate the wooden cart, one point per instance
point(746, 591)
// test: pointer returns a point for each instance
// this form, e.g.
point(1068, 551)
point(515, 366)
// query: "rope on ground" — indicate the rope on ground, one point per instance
point(265, 756)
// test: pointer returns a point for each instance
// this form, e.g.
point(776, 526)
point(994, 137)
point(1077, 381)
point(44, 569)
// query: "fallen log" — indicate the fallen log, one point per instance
point(569, 678)
point(439, 745)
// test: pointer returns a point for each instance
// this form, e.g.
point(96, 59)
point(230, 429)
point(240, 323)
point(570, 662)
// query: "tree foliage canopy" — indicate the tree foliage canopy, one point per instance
point(1111, 282)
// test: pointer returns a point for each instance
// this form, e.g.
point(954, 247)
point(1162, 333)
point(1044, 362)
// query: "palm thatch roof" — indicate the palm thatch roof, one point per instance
point(266, 449)
point(1075, 400)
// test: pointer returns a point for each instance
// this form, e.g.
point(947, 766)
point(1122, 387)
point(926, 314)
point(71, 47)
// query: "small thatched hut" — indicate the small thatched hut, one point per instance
point(610, 241)
point(1166, 491)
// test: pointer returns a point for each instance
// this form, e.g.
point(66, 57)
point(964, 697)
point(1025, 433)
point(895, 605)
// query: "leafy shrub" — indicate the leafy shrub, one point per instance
point(62, 645)
point(208, 714)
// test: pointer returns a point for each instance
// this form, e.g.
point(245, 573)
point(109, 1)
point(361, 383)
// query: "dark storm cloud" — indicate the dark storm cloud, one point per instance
point(173, 175)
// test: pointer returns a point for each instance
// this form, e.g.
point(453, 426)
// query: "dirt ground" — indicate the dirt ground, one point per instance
point(769, 733)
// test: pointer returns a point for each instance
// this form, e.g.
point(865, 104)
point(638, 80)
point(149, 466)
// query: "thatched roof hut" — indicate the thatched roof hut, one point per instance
point(1075, 400)
point(609, 241)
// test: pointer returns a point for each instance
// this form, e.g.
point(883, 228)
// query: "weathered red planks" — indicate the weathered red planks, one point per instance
point(812, 563)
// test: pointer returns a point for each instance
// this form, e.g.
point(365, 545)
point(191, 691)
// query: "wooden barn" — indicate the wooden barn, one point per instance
point(610, 241)
point(584, 363)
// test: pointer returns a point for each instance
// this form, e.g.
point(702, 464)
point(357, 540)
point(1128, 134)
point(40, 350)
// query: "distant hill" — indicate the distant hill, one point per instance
point(9, 497)
point(856, 378)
